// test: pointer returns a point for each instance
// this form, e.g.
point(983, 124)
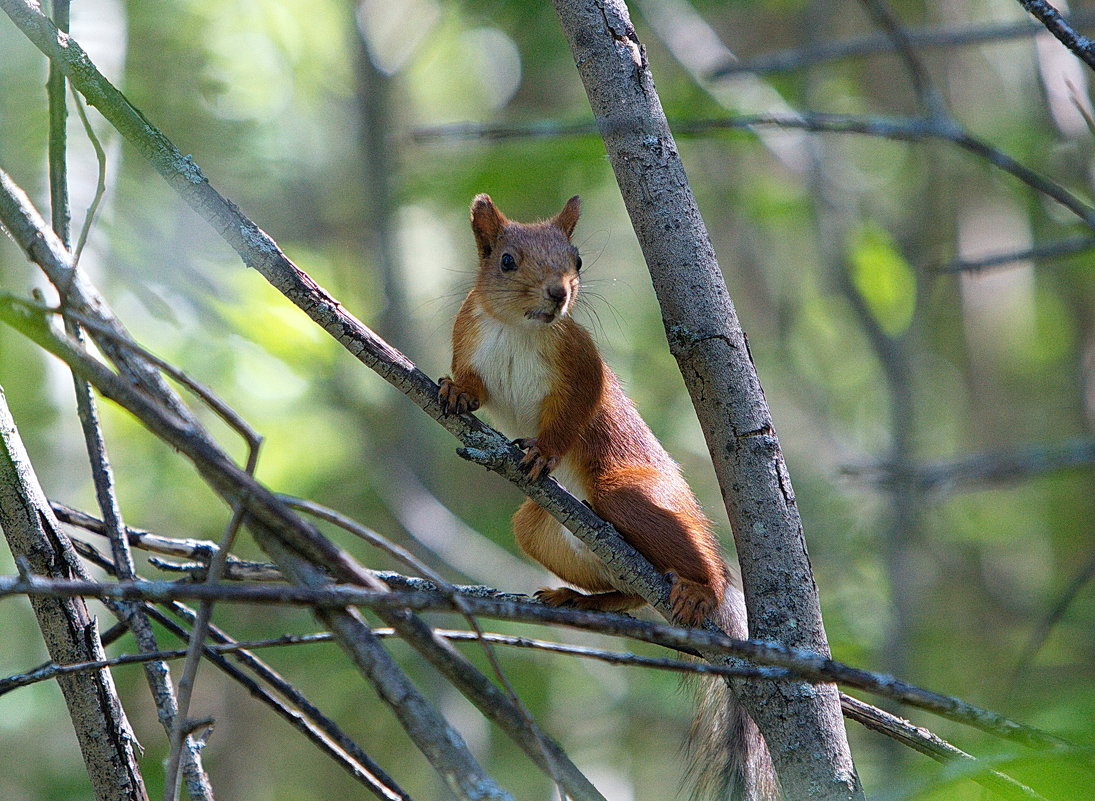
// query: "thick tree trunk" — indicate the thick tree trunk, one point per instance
point(802, 723)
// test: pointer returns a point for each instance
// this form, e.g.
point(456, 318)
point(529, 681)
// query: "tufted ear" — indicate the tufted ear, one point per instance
point(568, 217)
point(487, 223)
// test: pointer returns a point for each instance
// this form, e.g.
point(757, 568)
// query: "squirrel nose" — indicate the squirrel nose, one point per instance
point(556, 292)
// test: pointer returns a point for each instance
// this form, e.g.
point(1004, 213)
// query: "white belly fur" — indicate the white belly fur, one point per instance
point(510, 362)
point(515, 372)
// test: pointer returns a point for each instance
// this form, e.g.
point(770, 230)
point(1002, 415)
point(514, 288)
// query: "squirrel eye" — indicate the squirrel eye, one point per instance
point(509, 264)
point(577, 263)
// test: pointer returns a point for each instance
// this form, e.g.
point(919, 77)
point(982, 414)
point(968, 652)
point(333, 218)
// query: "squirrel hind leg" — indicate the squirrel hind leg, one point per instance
point(613, 601)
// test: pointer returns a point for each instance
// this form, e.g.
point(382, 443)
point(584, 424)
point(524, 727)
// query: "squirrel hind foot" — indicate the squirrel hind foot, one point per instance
point(692, 601)
point(613, 601)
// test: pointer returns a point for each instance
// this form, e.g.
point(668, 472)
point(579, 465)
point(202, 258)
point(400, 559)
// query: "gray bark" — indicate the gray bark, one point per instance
point(802, 723)
point(70, 633)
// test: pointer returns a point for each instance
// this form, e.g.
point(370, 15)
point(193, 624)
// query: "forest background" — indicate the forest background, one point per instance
point(936, 408)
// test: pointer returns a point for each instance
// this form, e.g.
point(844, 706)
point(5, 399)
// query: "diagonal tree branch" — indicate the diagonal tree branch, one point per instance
point(303, 715)
point(482, 444)
point(300, 549)
point(1081, 46)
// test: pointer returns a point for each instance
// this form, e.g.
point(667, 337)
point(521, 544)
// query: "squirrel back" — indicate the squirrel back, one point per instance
point(517, 349)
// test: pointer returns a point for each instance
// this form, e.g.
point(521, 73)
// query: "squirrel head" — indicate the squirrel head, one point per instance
point(528, 272)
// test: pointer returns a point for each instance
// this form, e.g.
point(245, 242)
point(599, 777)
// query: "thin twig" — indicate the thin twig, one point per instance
point(100, 183)
point(1040, 252)
point(940, 750)
point(52, 670)
point(202, 550)
point(807, 665)
point(156, 673)
point(1056, 612)
point(904, 129)
point(305, 716)
point(981, 469)
point(198, 634)
point(793, 59)
point(930, 97)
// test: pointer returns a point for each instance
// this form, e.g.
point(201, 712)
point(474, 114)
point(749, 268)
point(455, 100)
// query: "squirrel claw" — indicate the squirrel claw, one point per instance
point(453, 399)
point(535, 463)
point(692, 601)
point(560, 596)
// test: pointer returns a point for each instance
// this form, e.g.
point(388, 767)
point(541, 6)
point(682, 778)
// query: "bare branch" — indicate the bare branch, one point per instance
point(1057, 611)
point(1041, 252)
point(52, 670)
point(156, 672)
point(805, 664)
point(903, 129)
point(277, 528)
point(100, 183)
point(938, 749)
point(980, 469)
point(202, 550)
point(199, 631)
point(871, 44)
point(1081, 46)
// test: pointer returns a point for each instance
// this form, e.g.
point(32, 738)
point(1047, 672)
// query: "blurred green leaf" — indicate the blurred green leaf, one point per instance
point(883, 277)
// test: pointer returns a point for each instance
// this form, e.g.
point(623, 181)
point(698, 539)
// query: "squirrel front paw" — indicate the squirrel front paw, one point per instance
point(536, 462)
point(455, 399)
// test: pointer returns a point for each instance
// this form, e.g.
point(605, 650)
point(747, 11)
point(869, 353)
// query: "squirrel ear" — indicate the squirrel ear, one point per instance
point(486, 223)
point(568, 217)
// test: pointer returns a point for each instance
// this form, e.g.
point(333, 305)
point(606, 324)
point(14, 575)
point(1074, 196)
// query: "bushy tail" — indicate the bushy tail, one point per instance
point(728, 758)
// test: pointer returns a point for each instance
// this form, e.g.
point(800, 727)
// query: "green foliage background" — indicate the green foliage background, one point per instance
point(278, 105)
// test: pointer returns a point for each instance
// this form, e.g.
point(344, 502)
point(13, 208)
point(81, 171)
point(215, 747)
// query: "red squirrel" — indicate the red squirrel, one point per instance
point(518, 351)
